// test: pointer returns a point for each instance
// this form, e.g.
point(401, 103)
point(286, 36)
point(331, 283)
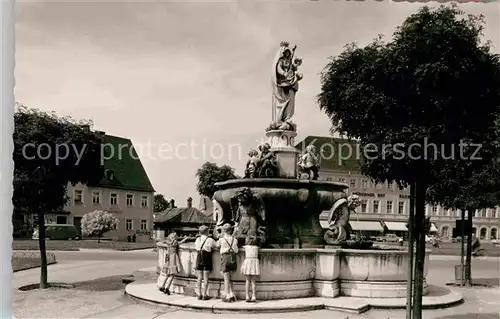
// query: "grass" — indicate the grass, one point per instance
point(111, 283)
point(23, 263)
point(75, 245)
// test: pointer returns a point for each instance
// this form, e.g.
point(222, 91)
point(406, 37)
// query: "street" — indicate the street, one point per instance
point(91, 264)
point(453, 249)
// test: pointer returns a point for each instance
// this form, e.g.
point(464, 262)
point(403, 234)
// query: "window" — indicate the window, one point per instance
point(144, 201)
point(78, 197)
point(352, 183)
point(484, 213)
point(389, 207)
point(376, 206)
point(96, 197)
point(494, 212)
point(113, 199)
point(365, 183)
point(144, 224)
point(434, 209)
point(401, 208)
point(109, 175)
point(129, 225)
point(389, 185)
point(61, 219)
point(378, 186)
point(364, 205)
point(130, 200)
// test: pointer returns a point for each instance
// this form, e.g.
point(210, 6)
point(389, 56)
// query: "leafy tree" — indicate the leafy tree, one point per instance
point(209, 174)
point(481, 190)
point(417, 104)
point(97, 223)
point(43, 168)
point(160, 203)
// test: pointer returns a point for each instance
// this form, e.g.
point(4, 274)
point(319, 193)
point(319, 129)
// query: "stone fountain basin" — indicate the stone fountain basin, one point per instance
point(288, 192)
point(299, 273)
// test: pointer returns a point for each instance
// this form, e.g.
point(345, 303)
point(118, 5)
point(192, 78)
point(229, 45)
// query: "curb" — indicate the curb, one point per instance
point(147, 292)
point(33, 267)
point(48, 250)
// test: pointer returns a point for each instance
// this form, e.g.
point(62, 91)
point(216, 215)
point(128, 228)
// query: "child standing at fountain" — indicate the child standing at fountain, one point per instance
point(172, 263)
point(203, 245)
point(250, 267)
point(228, 250)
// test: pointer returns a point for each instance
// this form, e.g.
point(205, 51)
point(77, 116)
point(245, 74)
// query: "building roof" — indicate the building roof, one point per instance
point(183, 215)
point(335, 153)
point(122, 167)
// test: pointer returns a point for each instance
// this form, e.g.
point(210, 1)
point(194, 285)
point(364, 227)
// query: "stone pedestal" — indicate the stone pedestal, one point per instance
point(282, 144)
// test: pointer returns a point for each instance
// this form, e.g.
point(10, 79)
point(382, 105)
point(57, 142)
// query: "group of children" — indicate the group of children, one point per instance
point(204, 245)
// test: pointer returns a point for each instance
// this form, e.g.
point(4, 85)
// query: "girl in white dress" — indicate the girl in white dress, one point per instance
point(250, 267)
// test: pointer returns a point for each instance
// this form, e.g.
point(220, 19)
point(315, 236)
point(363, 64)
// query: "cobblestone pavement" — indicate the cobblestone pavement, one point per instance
point(480, 303)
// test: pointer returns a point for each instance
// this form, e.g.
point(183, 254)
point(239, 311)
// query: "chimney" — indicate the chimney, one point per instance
point(172, 203)
point(189, 202)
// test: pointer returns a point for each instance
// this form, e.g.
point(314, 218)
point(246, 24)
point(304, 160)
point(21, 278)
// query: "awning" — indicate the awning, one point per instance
point(366, 225)
point(396, 226)
point(433, 228)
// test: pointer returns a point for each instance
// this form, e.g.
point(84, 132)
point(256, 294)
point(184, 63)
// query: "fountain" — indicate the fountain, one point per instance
point(279, 201)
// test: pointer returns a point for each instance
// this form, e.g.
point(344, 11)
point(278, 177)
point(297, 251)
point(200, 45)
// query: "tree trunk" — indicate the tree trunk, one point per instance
point(98, 238)
point(411, 221)
point(420, 191)
point(43, 250)
point(462, 248)
point(468, 258)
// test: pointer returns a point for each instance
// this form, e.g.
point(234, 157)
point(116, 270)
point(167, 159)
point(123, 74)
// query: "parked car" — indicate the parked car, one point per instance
point(59, 232)
point(392, 238)
point(379, 238)
point(495, 241)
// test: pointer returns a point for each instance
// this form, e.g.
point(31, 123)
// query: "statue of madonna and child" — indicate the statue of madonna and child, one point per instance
point(285, 83)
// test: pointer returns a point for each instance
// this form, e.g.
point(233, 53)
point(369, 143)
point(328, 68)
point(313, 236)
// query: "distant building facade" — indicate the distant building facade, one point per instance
point(125, 190)
point(386, 203)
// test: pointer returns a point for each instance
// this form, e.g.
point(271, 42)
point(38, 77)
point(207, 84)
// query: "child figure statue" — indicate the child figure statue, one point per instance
point(252, 164)
point(267, 166)
point(309, 164)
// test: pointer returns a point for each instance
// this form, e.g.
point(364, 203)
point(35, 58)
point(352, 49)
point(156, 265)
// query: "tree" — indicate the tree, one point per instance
point(160, 203)
point(417, 105)
point(480, 190)
point(49, 153)
point(209, 174)
point(97, 223)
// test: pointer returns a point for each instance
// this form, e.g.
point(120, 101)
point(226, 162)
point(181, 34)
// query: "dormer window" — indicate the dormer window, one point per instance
point(109, 175)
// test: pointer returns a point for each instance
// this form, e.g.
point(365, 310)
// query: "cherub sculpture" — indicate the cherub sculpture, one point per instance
point(267, 165)
point(338, 221)
point(218, 217)
point(249, 215)
point(308, 164)
point(252, 164)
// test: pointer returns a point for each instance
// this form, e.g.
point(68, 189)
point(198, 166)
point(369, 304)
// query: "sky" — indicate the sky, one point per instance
point(189, 82)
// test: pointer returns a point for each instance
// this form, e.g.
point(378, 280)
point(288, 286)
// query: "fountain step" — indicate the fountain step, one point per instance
point(148, 292)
